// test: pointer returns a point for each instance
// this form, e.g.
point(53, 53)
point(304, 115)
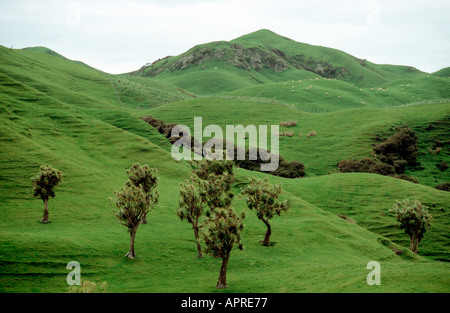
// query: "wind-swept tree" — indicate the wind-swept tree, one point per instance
point(216, 168)
point(136, 200)
point(261, 196)
point(221, 231)
point(414, 219)
point(145, 177)
point(191, 206)
point(131, 203)
point(44, 184)
point(217, 178)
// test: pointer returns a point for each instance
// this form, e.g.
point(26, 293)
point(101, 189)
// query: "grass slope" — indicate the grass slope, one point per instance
point(216, 67)
point(326, 95)
point(340, 135)
point(55, 111)
point(445, 72)
point(361, 72)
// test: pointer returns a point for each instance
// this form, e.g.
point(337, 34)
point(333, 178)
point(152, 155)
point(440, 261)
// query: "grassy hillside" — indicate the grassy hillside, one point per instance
point(216, 76)
point(361, 72)
point(326, 95)
point(55, 111)
point(340, 135)
point(142, 93)
point(264, 57)
point(348, 194)
point(445, 72)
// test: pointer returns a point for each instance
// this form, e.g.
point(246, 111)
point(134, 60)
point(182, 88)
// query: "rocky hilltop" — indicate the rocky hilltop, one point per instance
point(263, 57)
point(252, 58)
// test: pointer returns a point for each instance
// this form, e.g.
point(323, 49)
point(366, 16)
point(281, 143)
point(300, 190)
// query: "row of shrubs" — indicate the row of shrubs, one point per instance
point(393, 156)
point(285, 169)
point(443, 186)
point(372, 166)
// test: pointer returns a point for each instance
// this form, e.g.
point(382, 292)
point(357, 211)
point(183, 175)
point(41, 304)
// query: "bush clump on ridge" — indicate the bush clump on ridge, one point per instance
point(394, 155)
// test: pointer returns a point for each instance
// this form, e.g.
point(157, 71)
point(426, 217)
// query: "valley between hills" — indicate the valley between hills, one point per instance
point(89, 124)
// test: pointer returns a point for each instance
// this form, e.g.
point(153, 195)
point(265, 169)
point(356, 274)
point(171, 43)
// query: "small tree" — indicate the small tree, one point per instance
point(191, 206)
point(44, 184)
point(221, 232)
point(261, 196)
point(217, 178)
point(145, 177)
point(132, 206)
point(216, 167)
point(414, 219)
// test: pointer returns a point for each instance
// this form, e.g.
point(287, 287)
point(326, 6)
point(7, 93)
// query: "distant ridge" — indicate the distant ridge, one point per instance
point(445, 72)
point(44, 50)
point(264, 57)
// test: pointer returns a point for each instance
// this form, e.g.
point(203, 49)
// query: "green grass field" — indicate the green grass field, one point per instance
point(87, 124)
point(325, 95)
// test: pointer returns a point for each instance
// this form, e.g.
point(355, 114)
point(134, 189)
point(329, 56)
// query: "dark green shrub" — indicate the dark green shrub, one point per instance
point(292, 169)
point(163, 128)
point(365, 166)
point(285, 169)
point(406, 177)
point(443, 166)
point(443, 186)
point(400, 166)
point(398, 149)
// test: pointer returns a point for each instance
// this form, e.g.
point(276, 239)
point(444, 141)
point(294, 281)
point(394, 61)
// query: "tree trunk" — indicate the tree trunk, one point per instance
point(266, 240)
point(197, 240)
point(411, 246)
point(131, 253)
point(222, 282)
point(416, 246)
point(45, 216)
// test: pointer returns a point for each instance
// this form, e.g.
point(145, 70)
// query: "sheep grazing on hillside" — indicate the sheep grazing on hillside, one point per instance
point(287, 134)
point(311, 134)
point(288, 123)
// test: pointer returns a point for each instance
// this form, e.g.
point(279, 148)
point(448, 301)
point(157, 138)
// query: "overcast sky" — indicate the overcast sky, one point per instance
point(121, 36)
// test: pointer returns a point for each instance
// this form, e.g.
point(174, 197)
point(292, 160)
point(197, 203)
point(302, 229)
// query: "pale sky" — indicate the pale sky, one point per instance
point(120, 36)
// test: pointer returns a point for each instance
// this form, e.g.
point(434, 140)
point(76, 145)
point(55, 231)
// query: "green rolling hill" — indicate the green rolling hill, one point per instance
point(445, 72)
point(340, 135)
point(264, 57)
point(325, 95)
point(87, 124)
